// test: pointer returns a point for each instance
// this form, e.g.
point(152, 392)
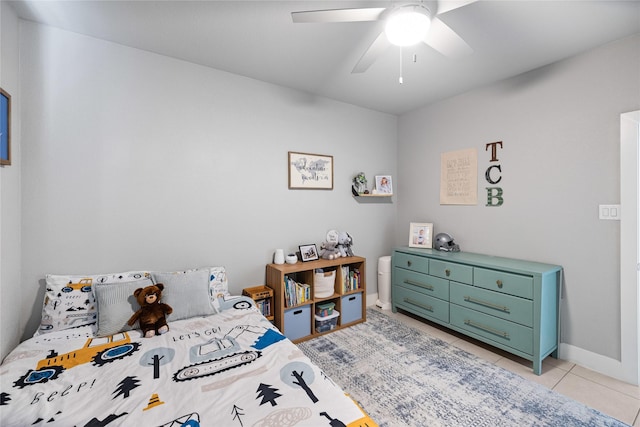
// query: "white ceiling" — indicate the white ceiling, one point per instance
point(258, 39)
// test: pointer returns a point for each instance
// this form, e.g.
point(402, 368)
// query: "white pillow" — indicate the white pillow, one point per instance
point(69, 301)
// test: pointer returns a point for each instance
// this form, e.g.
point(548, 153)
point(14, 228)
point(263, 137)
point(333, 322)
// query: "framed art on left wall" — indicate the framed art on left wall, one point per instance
point(5, 128)
point(310, 171)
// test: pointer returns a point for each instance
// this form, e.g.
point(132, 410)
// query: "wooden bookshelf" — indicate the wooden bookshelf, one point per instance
point(349, 295)
point(263, 296)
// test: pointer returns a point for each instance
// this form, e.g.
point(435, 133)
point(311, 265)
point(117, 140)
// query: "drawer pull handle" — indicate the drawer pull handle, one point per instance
point(418, 304)
point(499, 283)
point(408, 263)
point(447, 272)
point(487, 304)
point(487, 328)
point(420, 285)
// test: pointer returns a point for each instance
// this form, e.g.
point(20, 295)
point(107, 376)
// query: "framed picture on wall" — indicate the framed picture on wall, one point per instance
point(420, 235)
point(383, 184)
point(5, 128)
point(310, 171)
point(308, 252)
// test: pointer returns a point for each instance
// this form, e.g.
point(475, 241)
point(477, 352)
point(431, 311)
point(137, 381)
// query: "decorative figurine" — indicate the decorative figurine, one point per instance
point(359, 185)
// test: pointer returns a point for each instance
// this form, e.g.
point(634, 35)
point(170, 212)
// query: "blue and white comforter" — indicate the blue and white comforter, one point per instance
point(230, 369)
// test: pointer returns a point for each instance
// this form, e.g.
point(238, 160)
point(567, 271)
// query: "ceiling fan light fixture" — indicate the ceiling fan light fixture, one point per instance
point(407, 25)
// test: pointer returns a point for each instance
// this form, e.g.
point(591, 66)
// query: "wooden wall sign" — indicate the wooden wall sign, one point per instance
point(459, 177)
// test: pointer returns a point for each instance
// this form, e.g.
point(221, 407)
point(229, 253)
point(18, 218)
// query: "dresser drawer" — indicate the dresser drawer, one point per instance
point(507, 307)
point(451, 271)
point(421, 304)
point(411, 262)
point(508, 283)
point(502, 331)
point(423, 283)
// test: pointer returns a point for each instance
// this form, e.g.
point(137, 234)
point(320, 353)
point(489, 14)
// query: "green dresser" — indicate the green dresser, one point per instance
point(508, 303)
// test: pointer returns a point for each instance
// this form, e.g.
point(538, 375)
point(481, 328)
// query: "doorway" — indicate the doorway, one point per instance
point(630, 246)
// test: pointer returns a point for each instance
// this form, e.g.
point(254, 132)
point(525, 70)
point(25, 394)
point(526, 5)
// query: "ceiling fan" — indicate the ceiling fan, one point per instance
point(406, 24)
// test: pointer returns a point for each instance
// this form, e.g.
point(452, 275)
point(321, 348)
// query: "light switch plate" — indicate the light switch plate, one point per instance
point(610, 212)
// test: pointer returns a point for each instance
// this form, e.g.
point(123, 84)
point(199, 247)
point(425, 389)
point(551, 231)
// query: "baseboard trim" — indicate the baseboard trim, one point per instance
point(596, 362)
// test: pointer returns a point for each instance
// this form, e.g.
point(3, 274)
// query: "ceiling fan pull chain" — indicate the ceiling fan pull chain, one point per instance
point(400, 80)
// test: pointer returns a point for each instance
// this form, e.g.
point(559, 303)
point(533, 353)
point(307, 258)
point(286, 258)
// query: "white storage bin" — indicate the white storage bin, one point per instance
point(323, 284)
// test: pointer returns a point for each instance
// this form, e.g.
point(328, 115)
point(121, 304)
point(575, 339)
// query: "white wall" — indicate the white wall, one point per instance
point(135, 160)
point(10, 247)
point(560, 127)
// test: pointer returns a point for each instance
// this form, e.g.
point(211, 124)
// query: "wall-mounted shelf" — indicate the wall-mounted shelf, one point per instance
point(373, 198)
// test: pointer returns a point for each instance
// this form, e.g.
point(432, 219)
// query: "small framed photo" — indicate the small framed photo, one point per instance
point(383, 184)
point(310, 171)
point(5, 128)
point(420, 235)
point(308, 252)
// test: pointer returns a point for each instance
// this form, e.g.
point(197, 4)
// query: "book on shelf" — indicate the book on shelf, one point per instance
point(295, 293)
point(264, 305)
point(351, 279)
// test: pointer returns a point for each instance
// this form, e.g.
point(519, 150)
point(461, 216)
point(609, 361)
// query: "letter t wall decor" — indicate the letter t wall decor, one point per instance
point(5, 128)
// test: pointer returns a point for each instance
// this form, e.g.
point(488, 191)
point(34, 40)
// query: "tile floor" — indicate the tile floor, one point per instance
point(610, 396)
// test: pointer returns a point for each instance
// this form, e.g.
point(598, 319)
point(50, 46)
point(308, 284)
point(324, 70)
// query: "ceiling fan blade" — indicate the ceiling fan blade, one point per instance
point(446, 6)
point(338, 15)
point(446, 41)
point(377, 48)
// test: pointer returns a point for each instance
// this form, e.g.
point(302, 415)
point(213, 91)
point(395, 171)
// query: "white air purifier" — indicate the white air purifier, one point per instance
point(384, 283)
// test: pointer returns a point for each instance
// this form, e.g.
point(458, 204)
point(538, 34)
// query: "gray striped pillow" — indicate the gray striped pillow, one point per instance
point(116, 304)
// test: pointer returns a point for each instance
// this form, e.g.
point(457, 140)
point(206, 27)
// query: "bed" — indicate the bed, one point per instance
point(221, 363)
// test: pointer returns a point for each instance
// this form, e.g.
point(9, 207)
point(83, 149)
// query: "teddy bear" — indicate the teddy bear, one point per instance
point(152, 312)
point(344, 244)
point(329, 250)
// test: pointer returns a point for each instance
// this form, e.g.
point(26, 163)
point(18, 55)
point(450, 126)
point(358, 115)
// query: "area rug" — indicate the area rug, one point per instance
point(404, 377)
